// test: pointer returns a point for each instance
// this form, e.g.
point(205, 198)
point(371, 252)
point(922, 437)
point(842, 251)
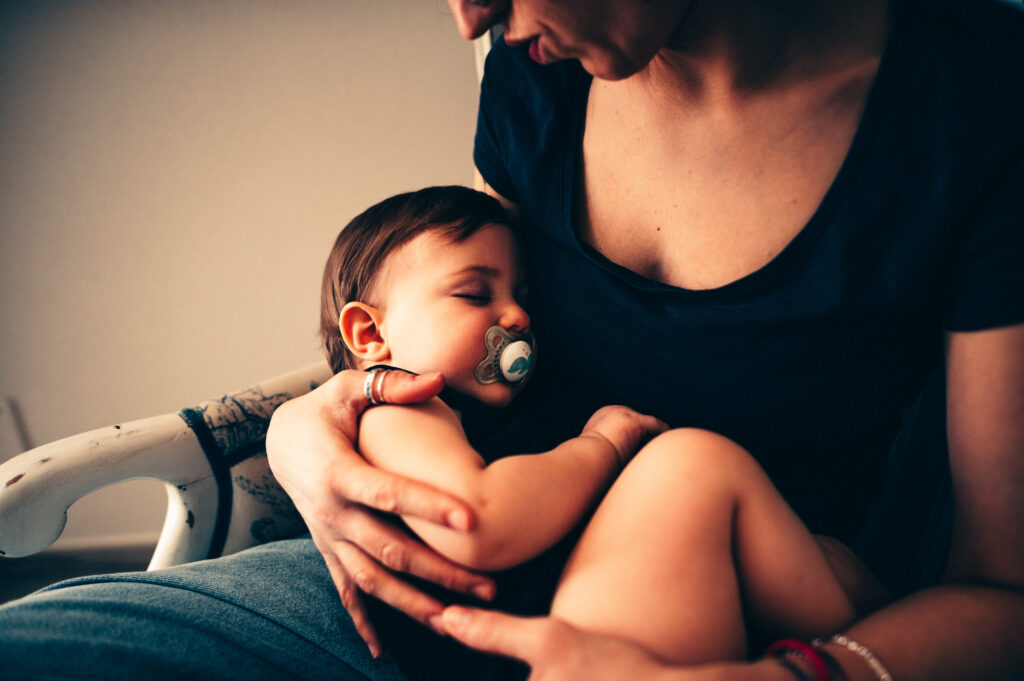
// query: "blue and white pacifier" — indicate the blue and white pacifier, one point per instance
point(509, 358)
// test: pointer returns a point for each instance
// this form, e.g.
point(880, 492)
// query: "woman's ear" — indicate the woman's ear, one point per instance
point(360, 329)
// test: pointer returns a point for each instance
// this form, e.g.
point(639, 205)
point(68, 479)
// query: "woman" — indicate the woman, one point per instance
point(769, 219)
point(816, 198)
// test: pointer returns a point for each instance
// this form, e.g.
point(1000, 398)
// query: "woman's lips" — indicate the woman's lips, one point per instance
point(535, 52)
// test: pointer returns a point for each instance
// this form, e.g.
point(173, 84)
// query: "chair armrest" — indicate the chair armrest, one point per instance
point(38, 486)
point(222, 496)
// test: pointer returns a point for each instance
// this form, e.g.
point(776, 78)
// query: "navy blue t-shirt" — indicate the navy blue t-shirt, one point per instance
point(810, 361)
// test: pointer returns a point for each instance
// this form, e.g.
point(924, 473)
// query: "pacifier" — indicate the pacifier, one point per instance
point(509, 358)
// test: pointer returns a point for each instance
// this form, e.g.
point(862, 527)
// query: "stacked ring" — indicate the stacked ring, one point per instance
point(373, 392)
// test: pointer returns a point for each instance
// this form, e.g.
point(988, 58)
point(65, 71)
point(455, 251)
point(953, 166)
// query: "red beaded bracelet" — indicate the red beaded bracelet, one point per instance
point(790, 646)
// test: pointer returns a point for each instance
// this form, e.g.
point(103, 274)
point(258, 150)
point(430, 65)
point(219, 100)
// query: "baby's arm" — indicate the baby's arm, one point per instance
point(523, 503)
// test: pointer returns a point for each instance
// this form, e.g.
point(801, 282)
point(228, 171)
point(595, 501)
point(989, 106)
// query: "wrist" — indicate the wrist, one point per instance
point(770, 669)
point(836, 659)
point(604, 446)
point(852, 664)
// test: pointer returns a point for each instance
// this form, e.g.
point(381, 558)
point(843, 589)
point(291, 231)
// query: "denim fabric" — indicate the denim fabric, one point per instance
point(267, 613)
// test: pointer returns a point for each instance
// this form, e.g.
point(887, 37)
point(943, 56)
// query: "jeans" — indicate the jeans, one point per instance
point(267, 613)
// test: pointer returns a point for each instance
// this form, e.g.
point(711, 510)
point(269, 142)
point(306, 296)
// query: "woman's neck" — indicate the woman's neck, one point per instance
point(725, 50)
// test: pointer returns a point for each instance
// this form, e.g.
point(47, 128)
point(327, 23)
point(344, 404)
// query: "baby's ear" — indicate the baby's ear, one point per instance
point(360, 329)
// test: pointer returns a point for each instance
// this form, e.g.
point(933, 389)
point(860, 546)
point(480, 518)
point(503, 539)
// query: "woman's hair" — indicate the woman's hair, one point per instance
point(365, 243)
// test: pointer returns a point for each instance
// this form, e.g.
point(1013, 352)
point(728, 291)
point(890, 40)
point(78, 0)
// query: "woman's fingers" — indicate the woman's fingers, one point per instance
point(494, 632)
point(311, 447)
point(400, 387)
point(350, 600)
point(360, 483)
point(373, 579)
point(353, 480)
point(394, 387)
point(355, 572)
point(362, 557)
point(399, 552)
point(555, 650)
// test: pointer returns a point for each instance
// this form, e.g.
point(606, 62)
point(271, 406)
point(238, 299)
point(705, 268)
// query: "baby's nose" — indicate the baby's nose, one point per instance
point(515, 319)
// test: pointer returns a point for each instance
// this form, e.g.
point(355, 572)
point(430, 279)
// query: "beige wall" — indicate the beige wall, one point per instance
point(172, 175)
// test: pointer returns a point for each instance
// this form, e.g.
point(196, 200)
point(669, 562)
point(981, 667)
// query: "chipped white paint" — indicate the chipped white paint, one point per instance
point(38, 486)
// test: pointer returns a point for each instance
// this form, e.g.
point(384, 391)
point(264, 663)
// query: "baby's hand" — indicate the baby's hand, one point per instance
point(624, 428)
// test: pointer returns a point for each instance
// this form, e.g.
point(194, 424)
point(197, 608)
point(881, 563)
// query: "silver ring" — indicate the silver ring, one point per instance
point(379, 388)
point(369, 389)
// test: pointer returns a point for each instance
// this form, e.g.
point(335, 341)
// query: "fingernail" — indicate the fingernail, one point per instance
point(458, 520)
point(454, 616)
point(437, 624)
point(428, 378)
point(484, 591)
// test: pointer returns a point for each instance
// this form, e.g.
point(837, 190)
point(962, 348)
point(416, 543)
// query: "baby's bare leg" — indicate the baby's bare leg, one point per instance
point(692, 539)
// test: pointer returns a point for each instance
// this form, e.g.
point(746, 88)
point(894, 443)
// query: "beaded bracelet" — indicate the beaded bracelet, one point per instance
point(785, 648)
point(879, 670)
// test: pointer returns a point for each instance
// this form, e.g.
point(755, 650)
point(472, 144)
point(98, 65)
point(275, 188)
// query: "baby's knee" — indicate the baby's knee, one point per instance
point(694, 453)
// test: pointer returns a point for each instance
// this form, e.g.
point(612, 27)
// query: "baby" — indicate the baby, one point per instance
point(691, 553)
point(431, 281)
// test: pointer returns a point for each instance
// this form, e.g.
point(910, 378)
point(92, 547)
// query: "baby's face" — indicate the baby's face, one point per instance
point(438, 298)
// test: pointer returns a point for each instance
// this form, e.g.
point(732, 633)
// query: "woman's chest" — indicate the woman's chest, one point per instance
point(704, 203)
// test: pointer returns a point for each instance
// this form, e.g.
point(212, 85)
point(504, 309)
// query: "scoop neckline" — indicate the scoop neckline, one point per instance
point(799, 245)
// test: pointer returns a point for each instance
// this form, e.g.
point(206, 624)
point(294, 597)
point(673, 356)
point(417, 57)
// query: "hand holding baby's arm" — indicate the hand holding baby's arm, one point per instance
point(311, 449)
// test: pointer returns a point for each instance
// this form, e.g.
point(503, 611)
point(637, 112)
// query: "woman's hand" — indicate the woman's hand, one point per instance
point(558, 651)
point(555, 650)
point(311, 450)
point(625, 429)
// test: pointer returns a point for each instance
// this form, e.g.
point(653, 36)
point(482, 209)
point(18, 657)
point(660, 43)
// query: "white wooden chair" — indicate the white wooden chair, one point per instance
point(221, 495)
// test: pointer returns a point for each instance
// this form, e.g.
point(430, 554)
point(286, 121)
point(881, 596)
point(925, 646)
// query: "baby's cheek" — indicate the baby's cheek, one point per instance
point(461, 360)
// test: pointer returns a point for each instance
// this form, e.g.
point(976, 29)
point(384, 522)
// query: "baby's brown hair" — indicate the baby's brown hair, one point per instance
point(365, 243)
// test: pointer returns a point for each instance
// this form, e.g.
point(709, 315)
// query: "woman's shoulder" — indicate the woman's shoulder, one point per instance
point(957, 68)
point(974, 34)
point(967, 16)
